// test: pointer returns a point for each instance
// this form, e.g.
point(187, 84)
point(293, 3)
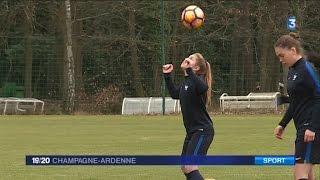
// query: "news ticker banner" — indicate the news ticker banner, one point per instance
point(60, 160)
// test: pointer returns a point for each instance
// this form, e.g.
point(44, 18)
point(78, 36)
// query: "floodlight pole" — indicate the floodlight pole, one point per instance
point(162, 56)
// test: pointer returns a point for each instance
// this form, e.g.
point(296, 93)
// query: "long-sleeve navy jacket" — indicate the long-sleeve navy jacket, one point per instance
point(192, 95)
point(304, 94)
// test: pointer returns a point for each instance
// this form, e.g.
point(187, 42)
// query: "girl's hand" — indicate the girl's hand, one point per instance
point(185, 64)
point(167, 68)
point(278, 131)
point(309, 136)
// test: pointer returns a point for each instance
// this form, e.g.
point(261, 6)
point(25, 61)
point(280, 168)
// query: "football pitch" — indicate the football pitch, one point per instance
point(137, 135)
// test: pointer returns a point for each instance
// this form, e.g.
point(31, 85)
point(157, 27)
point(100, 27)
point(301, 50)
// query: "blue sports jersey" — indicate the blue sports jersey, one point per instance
point(192, 95)
point(304, 95)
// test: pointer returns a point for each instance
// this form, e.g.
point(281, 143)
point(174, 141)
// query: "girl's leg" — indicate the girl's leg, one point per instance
point(301, 171)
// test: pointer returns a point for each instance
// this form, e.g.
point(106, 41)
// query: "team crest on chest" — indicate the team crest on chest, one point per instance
point(186, 87)
point(294, 77)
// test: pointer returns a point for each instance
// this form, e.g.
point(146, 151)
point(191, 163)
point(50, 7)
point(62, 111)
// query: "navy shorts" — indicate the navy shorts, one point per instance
point(197, 143)
point(307, 152)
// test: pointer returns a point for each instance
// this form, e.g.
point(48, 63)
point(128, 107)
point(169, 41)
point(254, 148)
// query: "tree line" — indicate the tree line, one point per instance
point(83, 54)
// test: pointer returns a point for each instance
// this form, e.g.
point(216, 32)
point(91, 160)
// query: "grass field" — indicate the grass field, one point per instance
point(133, 135)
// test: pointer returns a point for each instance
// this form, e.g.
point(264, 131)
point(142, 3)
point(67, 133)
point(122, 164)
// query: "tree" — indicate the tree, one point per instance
point(133, 49)
point(69, 61)
point(280, 18)
point(265, 44)
point(29, 10)
point(78, 47)
point(242, 65)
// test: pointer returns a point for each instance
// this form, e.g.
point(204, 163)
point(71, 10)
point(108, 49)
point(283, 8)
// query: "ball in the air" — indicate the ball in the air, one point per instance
point(192, 17)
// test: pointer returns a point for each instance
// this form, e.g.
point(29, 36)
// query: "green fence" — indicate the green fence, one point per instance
point(117, 48)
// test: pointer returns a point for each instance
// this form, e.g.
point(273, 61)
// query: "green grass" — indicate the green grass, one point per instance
point(131, 135)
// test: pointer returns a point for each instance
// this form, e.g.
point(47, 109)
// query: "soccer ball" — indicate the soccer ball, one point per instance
point(192, 17)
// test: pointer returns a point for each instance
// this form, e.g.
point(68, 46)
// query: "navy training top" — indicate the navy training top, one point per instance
point(304, 96)
point(192, 95)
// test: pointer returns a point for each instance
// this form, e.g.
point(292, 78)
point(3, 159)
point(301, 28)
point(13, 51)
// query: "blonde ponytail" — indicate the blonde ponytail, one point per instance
point(205, 70)
point(208, 80)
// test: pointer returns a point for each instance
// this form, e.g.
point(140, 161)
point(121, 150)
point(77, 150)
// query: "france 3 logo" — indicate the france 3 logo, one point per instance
point(291, 23)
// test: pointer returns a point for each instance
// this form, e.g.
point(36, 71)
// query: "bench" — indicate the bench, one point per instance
point(264, 100)
point(20, 104)
point(149, 105)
